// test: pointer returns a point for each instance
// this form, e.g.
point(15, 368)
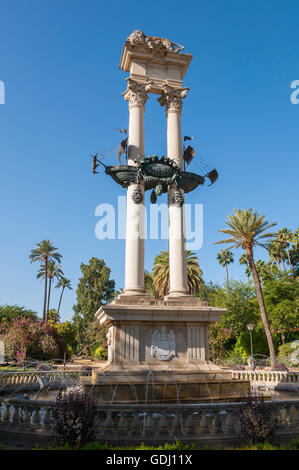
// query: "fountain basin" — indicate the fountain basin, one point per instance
point(172, 386)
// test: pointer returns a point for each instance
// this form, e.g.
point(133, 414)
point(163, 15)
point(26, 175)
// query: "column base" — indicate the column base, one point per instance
point(134, 291)
point(178, 293)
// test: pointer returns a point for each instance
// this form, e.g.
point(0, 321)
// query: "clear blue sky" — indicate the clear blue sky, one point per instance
point(59, 61)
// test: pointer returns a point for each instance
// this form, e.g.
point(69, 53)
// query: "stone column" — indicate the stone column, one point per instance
point(136, 95)
point(172, 98)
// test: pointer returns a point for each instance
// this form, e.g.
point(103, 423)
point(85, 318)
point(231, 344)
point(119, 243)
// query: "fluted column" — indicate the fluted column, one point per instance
point(172, 99)
point(136, 96)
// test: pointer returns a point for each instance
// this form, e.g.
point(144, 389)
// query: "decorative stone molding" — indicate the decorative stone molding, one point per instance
point(188, 423)
point(172, 98)
point(109, 337)
point(137, 195)
point(136, 93)
point(178, 198)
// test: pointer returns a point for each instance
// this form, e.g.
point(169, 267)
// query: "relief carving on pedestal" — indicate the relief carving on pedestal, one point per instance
point(163, 345)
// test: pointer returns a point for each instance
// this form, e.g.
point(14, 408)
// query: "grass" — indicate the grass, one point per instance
point(290, 445)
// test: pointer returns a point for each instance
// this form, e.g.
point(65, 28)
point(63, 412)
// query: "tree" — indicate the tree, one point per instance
point(285, 317)
point(194, 273)
point(281, 299)
point(53, 317)
point(52, 271)
point(294, 252)
point(248, 229)
point(264, 269)
point(43, 253)
point(284, 236)
point(9, 312)
point(241, 306)
point(161, 273)
point(95, 288)
point(243, 260)
point(218, 337)
point(67, 331)
point(225, 257)
point(149, 284)
point(276, 253)
point(62, 283)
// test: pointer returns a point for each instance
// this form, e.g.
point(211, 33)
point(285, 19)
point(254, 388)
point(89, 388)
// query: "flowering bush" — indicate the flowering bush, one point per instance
point(26, 338)
point(20, 356)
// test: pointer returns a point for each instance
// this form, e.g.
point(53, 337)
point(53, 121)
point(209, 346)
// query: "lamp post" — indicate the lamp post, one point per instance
point(250, 328)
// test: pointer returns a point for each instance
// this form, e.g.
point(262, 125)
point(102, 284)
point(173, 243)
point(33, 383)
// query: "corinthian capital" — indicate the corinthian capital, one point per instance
point(172, 98)
point(136, 93)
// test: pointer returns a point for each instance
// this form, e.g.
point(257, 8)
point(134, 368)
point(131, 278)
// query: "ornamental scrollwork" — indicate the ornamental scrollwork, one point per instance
point(172, 98)
point(136, 93)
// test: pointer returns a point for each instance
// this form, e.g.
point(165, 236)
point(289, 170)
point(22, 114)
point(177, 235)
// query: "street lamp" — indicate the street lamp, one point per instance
point(250, 328)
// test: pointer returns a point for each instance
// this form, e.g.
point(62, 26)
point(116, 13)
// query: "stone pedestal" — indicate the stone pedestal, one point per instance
point(158, 334)
point(159, 353)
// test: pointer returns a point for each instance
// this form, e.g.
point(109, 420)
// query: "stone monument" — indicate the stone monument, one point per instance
point(167, 339)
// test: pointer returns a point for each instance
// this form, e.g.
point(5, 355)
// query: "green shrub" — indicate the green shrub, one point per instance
point(260, 345)
point(285, 352)
point(69, 351)
point(100, 353)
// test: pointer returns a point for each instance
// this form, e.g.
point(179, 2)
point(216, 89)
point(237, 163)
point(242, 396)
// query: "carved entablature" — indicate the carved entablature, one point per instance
point(136, 93)
point(172, 98)
point(138, 38)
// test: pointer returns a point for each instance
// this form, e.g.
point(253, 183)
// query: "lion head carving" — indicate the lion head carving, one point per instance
point(137, 37)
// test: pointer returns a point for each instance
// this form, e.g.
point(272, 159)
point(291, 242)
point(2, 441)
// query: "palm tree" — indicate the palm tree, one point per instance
point(45, 252)
point(285, 237)
point(248, 229)
point(51, 271)
point(64, 283)
point(161, 273)
point(295, 239)
point(294, 252)
point(276, 253)
point(243, 260)
point(194, 273)
point(225, 257)
point(149, 284)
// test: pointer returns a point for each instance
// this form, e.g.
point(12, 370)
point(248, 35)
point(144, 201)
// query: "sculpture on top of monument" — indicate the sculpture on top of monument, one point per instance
point(138, 38)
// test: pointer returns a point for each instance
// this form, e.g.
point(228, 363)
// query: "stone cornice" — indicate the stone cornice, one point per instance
point(161, 313)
